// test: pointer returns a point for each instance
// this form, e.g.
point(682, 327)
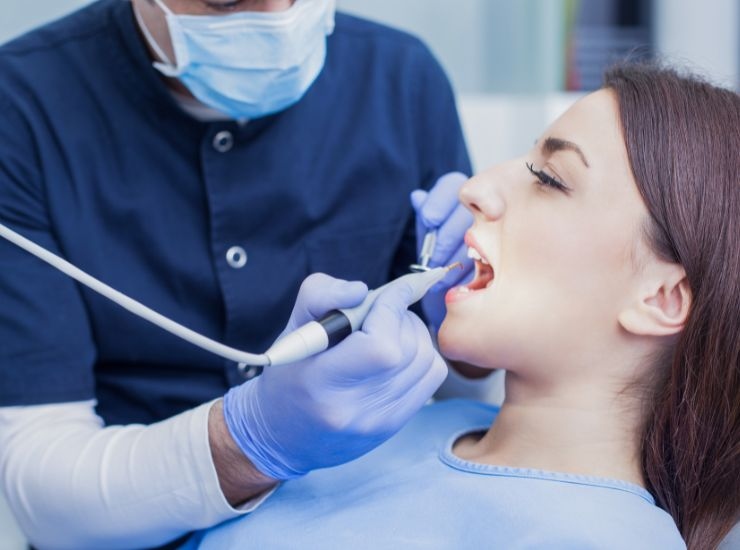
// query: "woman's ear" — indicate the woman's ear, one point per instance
point(662, 305)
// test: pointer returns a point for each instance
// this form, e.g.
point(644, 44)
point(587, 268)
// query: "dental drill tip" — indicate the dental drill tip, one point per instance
point(453, 266)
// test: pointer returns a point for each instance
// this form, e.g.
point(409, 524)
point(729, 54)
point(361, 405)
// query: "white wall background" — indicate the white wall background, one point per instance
point(17, 16)
point(503, 57)
point(705, 35)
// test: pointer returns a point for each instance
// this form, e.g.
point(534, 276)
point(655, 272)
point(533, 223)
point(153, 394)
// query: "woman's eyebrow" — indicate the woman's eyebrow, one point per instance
point(552, 145)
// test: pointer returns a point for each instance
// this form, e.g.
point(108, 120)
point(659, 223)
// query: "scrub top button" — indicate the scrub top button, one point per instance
point(248, 371)
point(223, 141)
point(236, 257)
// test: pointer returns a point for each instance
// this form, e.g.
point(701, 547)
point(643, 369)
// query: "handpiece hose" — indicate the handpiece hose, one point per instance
point(311, 338)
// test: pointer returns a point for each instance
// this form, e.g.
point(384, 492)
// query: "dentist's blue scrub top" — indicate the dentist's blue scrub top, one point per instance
point(414, 492)
point(99, 164)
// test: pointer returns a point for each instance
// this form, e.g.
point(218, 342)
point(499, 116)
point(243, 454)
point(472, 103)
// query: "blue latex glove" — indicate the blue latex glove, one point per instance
point(335, 406)
point(440, 209)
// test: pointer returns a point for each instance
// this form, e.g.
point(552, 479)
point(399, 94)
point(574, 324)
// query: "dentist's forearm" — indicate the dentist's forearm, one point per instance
point(73, 483)
point(238, 478)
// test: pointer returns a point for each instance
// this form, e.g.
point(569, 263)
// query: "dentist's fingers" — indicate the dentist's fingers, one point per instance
point(441, 201)
point(413, 383)
point(450, 236)
point(378, 349)
point(421, 392)
point(441, 209)
point(390, 308)
point(422, 359)
point(320, 293)
point(418, 198)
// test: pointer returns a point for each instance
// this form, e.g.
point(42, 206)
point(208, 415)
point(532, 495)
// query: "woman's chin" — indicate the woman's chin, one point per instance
point(449, 345)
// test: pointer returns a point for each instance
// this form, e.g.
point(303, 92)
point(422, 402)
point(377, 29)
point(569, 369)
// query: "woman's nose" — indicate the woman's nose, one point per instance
point(482, 196)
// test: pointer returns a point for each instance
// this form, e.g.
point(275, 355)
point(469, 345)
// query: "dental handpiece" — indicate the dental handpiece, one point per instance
point(335, 326)
point(307, 340)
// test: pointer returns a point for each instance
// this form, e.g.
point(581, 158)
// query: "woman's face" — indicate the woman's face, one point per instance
point(558, 257)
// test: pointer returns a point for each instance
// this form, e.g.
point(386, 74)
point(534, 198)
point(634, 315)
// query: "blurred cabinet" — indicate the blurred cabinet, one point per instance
point(517, 64)
point(543, 46)
point(602, 32)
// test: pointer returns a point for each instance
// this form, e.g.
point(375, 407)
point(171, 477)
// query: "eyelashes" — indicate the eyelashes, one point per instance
point(546, 180)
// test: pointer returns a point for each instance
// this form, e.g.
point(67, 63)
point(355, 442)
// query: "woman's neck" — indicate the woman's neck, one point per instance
point(572, 428)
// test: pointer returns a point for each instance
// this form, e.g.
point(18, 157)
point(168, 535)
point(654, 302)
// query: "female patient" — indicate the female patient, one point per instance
point(608, 287)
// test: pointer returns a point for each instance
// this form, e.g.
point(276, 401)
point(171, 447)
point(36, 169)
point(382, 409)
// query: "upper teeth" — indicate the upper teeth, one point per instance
point(475, 255)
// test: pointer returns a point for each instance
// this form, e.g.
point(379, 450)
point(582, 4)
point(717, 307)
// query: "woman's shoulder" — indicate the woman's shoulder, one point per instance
point(578, 515)
point(638, 526)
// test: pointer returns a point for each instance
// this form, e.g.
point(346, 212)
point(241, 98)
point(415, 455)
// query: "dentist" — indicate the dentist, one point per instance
point(205, 157)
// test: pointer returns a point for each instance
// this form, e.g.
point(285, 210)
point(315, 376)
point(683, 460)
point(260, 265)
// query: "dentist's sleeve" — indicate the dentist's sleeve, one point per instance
point(73, 483)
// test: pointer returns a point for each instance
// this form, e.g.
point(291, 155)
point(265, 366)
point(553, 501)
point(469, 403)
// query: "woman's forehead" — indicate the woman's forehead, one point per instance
point(593, 125)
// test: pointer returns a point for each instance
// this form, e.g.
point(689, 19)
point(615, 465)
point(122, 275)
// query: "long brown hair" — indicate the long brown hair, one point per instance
point(683, 141)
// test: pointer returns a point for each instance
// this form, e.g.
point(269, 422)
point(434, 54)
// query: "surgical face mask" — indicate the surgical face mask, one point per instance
point(248, 64)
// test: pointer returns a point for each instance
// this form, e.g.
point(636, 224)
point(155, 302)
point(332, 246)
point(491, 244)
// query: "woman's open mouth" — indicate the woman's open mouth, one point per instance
point(484, 275)
point(483, 271)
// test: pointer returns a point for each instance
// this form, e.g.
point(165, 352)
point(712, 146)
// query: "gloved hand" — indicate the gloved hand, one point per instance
point(337, 405)
point(441, 209)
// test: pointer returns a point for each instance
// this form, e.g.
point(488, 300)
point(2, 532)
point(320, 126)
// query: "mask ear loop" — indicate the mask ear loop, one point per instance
point(330, 17)
point(165, 65)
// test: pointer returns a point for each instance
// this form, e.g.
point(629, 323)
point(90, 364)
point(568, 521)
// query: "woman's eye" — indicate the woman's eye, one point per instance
point(546, 180)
